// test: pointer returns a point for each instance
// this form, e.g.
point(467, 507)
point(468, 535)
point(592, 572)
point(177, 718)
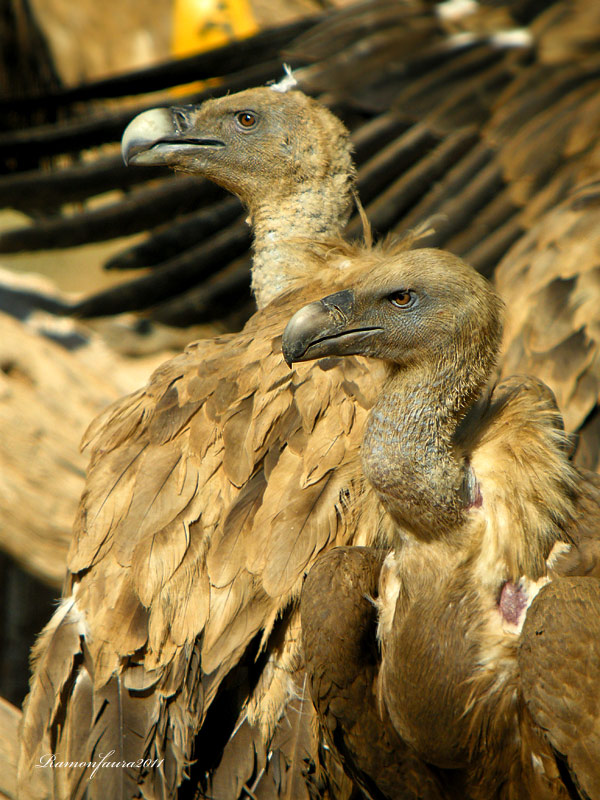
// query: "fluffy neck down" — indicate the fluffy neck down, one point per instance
point(316, 207)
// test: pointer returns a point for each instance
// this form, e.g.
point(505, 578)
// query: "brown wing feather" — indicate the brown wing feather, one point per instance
point(551, 284)
point(559, 662)
point(339, 625)
point(583, 558)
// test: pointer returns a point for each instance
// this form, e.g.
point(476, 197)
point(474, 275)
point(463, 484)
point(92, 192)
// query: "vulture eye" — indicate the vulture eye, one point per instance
point(246, 119)
point(403, 299)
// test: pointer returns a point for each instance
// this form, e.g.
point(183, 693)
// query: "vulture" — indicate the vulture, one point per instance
point(486, 606)
point(176, 646)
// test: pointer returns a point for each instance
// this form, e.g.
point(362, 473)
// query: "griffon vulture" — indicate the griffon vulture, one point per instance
point(488, 605)
point(209, 494)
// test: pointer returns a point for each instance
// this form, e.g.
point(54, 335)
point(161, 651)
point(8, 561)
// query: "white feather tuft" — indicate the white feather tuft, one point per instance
point(68, 607)
point(287, 82)
point(462, 39)
point(517, 37)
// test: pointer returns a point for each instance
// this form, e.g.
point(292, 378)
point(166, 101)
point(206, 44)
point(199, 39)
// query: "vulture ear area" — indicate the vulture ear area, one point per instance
point(559, 663)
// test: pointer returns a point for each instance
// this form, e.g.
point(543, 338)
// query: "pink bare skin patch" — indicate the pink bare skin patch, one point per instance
point(512, 603)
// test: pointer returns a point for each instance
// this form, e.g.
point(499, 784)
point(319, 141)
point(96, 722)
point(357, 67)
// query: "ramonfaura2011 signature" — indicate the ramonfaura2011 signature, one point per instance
point(51, 761)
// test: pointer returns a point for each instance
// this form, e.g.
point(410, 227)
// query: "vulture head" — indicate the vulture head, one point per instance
point(252, 142)
point(437, 323)
point(424, 308)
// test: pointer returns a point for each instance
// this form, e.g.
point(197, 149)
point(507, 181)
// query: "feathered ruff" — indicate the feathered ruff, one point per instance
point(520, 457)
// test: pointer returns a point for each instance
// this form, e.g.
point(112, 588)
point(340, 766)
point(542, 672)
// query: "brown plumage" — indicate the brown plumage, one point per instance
point(339, 617)
point(497, 150)
point(209, 494)
point(550, 283)
point(490, 518)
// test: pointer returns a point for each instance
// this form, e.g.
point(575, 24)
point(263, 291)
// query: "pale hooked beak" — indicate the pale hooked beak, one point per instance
point(159, 135)
point(324, 328)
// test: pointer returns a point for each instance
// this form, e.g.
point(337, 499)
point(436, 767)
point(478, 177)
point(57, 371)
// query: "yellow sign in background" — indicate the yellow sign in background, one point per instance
point(205, 24)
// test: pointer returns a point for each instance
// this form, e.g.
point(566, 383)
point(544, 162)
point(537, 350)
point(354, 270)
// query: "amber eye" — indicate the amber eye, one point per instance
point(246, 119)
point(402, 299)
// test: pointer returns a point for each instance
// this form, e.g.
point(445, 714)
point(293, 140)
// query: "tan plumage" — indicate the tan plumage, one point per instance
point(209, 494)
point(9, 749)
point(550, 283)
point(487, 508)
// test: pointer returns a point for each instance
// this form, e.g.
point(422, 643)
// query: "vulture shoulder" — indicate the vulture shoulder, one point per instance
point(559, 663)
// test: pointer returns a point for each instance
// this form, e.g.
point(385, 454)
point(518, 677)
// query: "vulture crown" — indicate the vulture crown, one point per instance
point(286, 157)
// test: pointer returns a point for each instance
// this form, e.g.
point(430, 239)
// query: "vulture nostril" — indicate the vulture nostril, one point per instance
point(180, 119)
point(338, 314)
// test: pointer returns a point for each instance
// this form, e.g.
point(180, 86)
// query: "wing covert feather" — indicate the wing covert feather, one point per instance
point(550, 281)
point(559, 659)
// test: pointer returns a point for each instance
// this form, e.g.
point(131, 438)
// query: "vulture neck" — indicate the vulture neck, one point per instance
point(316, 210)
point(410, 454)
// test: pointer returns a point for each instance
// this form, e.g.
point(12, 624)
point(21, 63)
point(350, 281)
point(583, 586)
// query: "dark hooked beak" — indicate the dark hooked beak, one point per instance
point(159, 135)
point(325, 328)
